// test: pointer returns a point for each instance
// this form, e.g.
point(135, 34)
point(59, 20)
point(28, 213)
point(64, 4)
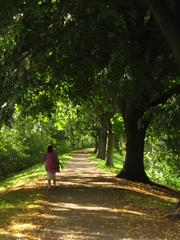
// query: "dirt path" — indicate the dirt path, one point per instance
point(88, 205)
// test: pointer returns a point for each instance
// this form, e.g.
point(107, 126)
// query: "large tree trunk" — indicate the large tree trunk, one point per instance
point(133, 168)
point(168, 23)
point(109, 160)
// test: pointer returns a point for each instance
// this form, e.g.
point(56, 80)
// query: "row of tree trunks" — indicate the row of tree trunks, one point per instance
point(105, 140)
point(169, 21)
point(135, 128)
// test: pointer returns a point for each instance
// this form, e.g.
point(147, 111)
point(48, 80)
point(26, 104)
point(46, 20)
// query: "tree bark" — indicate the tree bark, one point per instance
point(118, 143)
point(168, 25)
point(109, 160)
point(102, 144)
point(102, 138)
point(133, 168)
point(96, 144)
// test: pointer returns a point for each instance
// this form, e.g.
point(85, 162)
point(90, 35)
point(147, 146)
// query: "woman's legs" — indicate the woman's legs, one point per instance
point(54, 178)
point(54, 181)
point(51, 176)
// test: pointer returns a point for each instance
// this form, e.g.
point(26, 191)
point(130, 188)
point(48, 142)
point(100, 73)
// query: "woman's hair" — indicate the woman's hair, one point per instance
point(50, 148)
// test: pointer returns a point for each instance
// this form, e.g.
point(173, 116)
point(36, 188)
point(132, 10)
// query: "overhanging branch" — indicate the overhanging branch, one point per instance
point(168, 24)
point(163, 98)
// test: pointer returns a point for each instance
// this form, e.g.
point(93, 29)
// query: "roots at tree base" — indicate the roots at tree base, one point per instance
point(143, 178)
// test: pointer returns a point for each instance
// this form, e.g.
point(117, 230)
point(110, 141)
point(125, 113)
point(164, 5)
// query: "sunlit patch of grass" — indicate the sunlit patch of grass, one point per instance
point(34, 173)
point(101, 164)
point(65, 158)
point(155, 174)
point(163, 176)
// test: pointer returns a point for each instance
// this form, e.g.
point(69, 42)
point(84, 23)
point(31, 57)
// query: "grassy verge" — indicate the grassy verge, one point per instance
point(101, 164)
point(34, 173)
point(170, 179)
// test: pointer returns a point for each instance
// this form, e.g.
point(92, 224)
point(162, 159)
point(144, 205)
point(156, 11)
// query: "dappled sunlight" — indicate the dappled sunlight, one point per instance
point(34, 206)
point(2, 189)
point(80, 172)
point(3, 232)
point(23, 226)
point(72, 206)
point(52, 217)
point(85, 205)
point(18, 231)
point(22, 179)
point(147, 189)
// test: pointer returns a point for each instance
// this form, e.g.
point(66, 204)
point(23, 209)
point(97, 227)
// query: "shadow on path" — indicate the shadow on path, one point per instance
point(87, 205)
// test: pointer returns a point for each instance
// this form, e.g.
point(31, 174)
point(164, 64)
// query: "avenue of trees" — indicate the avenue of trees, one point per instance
point(91, 73)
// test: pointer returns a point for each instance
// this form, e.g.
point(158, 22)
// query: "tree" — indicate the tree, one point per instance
point(141, 87)
point(125, 42)
point(166, 14)
point(110, 145)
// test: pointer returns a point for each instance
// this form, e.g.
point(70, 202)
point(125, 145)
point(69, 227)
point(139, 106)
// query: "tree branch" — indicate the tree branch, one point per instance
point(168, 24)
point(163, 98)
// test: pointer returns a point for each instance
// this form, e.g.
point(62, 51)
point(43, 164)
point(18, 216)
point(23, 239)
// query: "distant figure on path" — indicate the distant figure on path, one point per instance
point(52, 165)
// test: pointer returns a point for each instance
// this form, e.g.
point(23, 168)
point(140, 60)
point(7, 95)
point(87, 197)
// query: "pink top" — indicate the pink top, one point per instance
point(51, 160)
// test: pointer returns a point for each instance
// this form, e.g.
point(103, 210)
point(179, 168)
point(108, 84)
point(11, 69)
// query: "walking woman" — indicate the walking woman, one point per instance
point(52, 165)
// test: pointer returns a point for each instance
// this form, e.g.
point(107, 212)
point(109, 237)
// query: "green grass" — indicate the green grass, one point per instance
point(26, 176)
point(170, 179)
point(101, 164)
point(34, 173)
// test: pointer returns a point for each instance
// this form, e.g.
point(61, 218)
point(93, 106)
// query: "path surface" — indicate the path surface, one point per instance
point(88, 205)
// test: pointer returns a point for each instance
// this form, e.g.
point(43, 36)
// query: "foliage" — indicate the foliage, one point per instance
point(162, 146)
point(119, 133)
point(166, 123)
point(24, 141)
point(161, 164)
point(76, 122)
point(21, 146)
point(111, 53)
